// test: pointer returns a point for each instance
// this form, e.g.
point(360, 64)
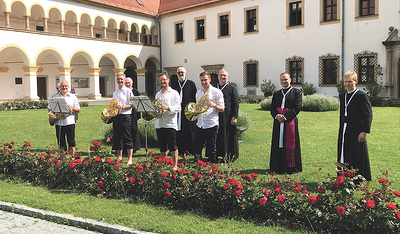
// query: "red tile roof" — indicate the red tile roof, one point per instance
point(154, 7)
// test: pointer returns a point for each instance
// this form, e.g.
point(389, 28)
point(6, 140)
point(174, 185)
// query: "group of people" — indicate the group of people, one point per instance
point(216, 127)
point(355, 123)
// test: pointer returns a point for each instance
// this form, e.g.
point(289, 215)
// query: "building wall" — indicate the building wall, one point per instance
point(274, 43)
point(48, 51)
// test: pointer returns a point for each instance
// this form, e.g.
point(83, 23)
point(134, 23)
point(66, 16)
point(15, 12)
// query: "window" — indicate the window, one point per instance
point(250, 73)
point(200, 28)
point(329, 70)
point(18, 80)
point(223, 24)
point(98, 35)
point(251, 19)
point(39, 28)
point(330, 10)
point(295, 67)
point(179, 32)
point(295, 13)
point(365, 66)
point(367, 7)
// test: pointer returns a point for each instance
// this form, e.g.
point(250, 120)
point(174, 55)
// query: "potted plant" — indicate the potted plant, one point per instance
point(267, 88)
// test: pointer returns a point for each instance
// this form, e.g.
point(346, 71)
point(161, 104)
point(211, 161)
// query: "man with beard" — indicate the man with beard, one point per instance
point(187, 92)
point(167, 124)
point(227, 140)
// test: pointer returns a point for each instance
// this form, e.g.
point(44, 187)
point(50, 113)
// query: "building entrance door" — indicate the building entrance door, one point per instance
point(41, 87)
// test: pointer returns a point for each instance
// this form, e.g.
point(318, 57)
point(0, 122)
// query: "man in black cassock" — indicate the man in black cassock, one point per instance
point(134, 117)
point(355, 123)
point(285, 145)
point(227, 139)
point(187, 92)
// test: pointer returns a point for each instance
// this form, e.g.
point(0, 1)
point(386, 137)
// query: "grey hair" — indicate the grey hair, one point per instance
point(121, 74)
point(181, 68)
point(129, 79)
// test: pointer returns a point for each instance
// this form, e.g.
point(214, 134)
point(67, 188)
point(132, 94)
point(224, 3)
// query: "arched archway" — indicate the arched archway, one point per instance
point(130, 71)
point(150, 77)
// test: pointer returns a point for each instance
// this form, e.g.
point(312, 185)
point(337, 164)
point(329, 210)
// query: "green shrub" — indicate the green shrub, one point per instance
point(308, 89)
point(243, 120)
point(340, 87)
point(83, 104)
point(266, 103)
point(320, 102)
point(373, 88)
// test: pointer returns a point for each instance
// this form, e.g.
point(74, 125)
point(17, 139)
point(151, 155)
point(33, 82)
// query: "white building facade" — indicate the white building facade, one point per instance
point(88, 42)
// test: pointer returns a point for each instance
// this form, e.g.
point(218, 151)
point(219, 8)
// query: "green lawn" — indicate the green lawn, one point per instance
point(318, 135)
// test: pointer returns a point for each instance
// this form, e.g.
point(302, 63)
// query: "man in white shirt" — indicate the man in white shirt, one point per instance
point(167, 124)
point(66, 127)
point(208, 122)
point(122, 122)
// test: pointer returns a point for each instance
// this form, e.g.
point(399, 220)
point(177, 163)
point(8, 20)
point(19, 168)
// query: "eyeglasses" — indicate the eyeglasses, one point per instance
point(181, 73)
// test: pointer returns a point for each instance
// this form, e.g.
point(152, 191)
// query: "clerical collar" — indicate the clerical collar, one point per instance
point(284, 90)
point(351, 91)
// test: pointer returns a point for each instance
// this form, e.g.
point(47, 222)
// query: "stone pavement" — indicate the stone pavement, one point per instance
point(21, 219)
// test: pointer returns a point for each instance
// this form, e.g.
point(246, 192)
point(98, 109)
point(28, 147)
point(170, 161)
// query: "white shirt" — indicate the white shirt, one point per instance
point(123, 97)
point(169, 119)
point(209, 118)
point(71, 100)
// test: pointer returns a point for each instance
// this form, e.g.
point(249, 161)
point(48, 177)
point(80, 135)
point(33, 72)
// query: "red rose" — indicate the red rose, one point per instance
point(132, 180)
point(123, 178)
point(370, 204)
point(159, 160)
point(382, 181)
point(86, 163)
point(262, 201)
point(27, 143)
point(318, 199)
point(197, 177)
point(397, 193)
point(116, 167)
point(12, 142)
point(266, 192)
point(167, 185)
point(78, 161)
point(108, 160)
point(174, 177)
point(234, 182)
point(340, 179)
point(298, 188)
point(281, 198)
point(341, 173)
point(184, 171)
point(167, 194)
point(391, 206)
point(278, 189)
point(254, 176)
point(226, 186)
point(97, 159)
point(245, 177)
point(305, 192)
point(139, 168)
point(321, 190)
point(237, 192)
point(164, 175)
point(58, 164)
point(341, 210)
point(72, 164)
point(312, 199)
point(42, 156)
point(100, 183)
point(96, 143)
point(398, 215)
point(349, 174)
point(239, 186)
point(165, 160)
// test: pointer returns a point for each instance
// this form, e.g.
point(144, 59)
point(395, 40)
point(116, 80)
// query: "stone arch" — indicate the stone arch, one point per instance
point(37, 17)
point(13, 54)
point(111, 29)
point(144, 32)
point(79, 57)
point(86, 25)
point(70, 22)
point(107, 63)
point(155, 60)
point(154, 35)
point(99, 27)
point(49, 56)
point(123, 28)
point(150, 77)
point(54, 20)
point(3, 8)
point(131, 64)
point(17, 15)
point(134, 34)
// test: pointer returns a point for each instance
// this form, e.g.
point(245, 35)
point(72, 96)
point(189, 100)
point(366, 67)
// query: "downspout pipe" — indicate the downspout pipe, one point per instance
point(159, 39)
point(343, 23)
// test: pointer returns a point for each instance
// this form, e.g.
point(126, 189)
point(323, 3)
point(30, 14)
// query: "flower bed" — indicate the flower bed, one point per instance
point(332, 205)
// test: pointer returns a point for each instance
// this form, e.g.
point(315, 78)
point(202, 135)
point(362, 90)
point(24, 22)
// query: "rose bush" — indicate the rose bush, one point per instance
point(344, 203)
